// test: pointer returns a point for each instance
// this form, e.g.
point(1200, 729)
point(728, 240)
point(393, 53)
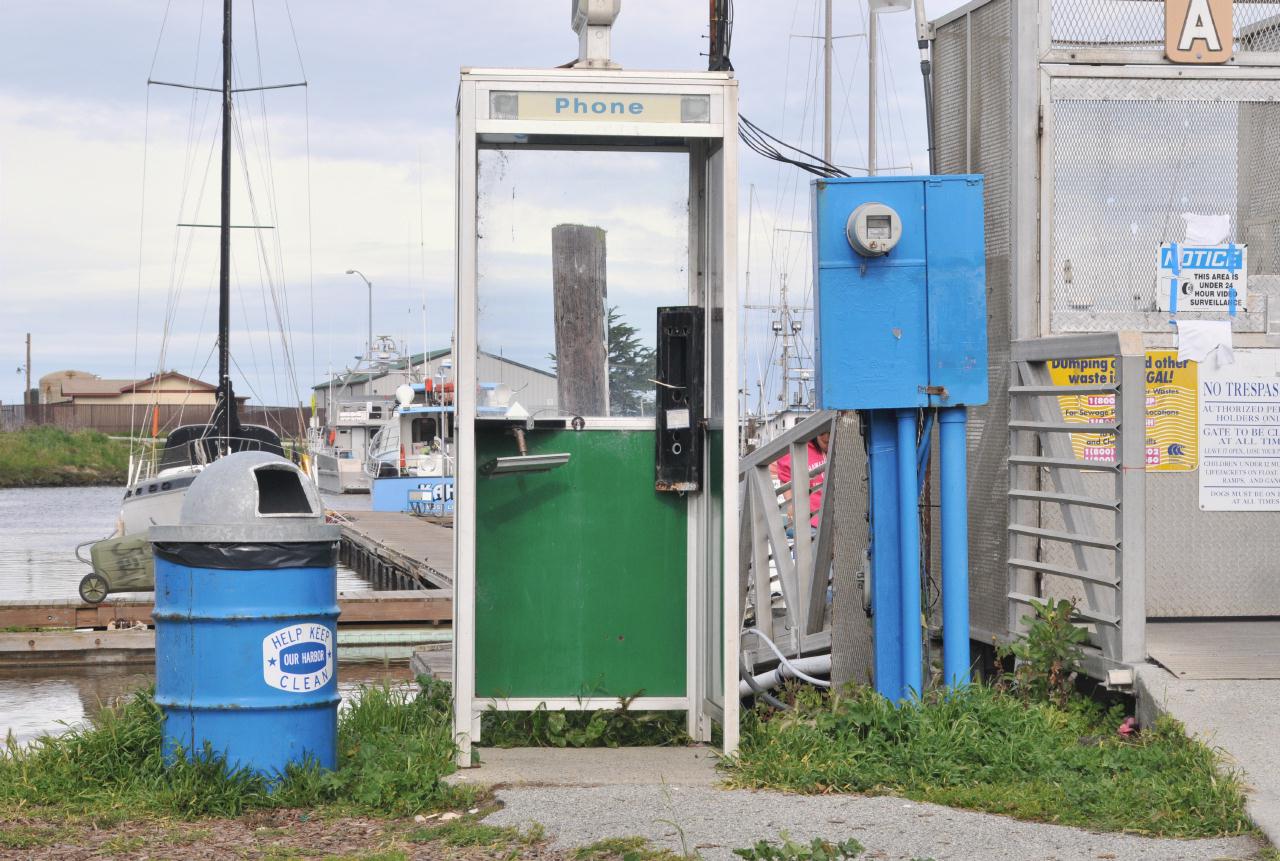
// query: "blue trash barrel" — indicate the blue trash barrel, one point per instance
point(246, 618)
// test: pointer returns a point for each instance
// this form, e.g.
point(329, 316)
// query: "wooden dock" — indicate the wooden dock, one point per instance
point(418, 606)
point(76, 648)
point(393, 550)
point(29, 649)
point(434, 661)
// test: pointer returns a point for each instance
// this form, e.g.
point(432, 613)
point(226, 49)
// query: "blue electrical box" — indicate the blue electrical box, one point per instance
point(900, 265)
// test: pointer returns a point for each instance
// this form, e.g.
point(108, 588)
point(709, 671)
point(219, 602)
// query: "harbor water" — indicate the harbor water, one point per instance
point(39, 531)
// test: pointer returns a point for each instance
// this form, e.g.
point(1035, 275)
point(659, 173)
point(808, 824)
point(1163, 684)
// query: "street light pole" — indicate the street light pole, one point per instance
point(826, 88)
point(368, 284)
point(872, 48)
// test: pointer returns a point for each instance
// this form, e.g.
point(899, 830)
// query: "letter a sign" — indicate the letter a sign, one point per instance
point(1197, 31)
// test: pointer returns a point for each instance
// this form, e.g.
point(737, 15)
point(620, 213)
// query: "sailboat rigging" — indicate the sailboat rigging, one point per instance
point(156, 486)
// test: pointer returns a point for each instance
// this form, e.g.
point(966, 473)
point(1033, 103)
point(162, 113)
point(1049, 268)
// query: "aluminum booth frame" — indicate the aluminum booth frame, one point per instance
point(516, 109)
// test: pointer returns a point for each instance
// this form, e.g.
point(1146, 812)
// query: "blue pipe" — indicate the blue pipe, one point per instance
point(955, 546)
point(922, 452)
point(909, 554)
point(883, 446)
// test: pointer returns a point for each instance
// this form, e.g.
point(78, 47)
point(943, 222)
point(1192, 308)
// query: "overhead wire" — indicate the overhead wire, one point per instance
point(181, 255)
point(244, 119)
point(266, 170)
point(311, 269)
point(269, 254)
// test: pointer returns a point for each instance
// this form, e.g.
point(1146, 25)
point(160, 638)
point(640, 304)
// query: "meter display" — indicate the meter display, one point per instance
point(874, 229)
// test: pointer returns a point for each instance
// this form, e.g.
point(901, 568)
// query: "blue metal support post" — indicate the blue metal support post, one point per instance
point(909, 555)
point(955, 546)
point(901, 326)
point(885, 600)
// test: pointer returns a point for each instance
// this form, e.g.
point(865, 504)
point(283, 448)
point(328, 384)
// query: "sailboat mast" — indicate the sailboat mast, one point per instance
point(224, 261)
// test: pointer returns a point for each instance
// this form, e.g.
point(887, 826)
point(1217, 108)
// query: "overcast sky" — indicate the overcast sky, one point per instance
point(354, 172)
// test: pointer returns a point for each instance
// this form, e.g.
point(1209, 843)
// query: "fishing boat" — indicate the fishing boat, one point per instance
point(158, 480)
point(338, 451)
point(410, 464)
point(339, 448)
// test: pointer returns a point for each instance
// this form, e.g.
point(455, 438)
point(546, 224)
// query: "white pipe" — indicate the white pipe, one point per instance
point(818, 664)
point(800, 674)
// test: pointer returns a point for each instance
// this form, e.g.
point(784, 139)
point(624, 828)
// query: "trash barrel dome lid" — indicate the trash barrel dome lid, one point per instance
point(250, 495)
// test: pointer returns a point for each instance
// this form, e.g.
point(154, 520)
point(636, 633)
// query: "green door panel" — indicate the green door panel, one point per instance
point(580, 571)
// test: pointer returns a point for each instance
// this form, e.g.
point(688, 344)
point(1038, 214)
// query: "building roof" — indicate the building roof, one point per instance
point(418, 359)
point(87, 386)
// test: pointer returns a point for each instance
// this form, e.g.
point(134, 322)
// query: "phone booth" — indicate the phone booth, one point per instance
point(596, 500)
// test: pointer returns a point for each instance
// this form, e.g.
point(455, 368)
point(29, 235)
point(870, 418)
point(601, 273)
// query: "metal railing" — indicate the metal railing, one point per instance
point(1077, 519)
point(784, 564)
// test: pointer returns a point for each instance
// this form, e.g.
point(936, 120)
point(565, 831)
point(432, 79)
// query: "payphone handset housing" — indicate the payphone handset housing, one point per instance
point(679, 392)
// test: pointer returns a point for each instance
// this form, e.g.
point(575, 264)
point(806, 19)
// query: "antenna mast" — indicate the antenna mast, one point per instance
point(225, 417)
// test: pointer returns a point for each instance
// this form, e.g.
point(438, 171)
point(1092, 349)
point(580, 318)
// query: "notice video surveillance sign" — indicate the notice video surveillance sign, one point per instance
point(1203, 278)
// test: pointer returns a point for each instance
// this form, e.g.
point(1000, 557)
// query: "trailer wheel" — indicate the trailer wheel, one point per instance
point(93, 588)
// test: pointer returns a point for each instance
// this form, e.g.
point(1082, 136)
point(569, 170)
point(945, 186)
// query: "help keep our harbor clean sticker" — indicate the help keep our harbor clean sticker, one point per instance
point(298, 659)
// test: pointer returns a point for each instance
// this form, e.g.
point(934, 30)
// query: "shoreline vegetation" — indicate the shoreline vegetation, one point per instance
point(52, 457)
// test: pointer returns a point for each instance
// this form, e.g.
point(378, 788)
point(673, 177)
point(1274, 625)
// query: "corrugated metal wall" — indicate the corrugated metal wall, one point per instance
point(973, 133)
point(1126, 154)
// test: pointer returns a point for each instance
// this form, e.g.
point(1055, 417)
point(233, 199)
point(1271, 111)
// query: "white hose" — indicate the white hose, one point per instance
point(774, 678)
point(790, 665)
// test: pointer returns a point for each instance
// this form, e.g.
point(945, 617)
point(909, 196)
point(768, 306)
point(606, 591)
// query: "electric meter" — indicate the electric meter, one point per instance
point(874, 229)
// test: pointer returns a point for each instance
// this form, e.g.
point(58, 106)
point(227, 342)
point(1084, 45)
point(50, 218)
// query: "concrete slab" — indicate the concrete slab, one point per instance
point(1216, 650)
point(1240, 717)
point(713, 822)
point(628, 766)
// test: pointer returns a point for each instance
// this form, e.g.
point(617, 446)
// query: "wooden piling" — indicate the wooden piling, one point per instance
point(579, 283)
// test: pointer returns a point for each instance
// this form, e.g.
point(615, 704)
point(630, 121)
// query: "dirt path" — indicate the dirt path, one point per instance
point(269, 836)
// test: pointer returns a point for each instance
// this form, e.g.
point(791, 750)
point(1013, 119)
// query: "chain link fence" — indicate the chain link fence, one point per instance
point(1139, 25)
point(1129, 156)
point(973, 126)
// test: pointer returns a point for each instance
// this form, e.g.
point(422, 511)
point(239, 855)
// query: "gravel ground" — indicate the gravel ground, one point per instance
point(715, 822)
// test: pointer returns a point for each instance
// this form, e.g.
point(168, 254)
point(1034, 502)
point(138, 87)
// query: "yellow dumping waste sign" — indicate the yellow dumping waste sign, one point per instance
point(1172, 394)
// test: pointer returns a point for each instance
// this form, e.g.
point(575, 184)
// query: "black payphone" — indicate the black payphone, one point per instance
point(678, 461)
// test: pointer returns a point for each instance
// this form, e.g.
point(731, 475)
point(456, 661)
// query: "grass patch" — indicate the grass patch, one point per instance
point(29, 836)
point(52, 457)
point(181, 837)
point(624, 849)
point(989, 750)
point(469, 832)
point(394, 746)
point(620, 727)
point(122, 845)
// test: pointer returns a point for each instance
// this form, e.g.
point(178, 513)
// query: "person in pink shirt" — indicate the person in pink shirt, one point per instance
point(781, 468)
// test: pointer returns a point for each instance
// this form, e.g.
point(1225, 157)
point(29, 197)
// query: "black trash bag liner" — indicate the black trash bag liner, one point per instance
point(249, 557)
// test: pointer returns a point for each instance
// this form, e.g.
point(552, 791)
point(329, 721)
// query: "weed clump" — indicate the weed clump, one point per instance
point(619, 727)
point(1047, 657)
point(788, 850)
point(394, 746)
point(991, 750)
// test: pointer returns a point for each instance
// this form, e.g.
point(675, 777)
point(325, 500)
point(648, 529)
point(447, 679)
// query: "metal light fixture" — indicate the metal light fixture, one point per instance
point(593, 21)
point(524, 462)
point(368, 284)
